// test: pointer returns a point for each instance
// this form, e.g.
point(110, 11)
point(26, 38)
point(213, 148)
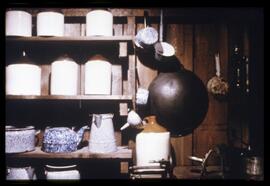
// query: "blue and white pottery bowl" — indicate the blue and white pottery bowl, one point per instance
point(60, 139)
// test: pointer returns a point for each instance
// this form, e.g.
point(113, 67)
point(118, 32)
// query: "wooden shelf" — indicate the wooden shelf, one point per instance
point(81, 39)
point(78, 97)
point(122, 153)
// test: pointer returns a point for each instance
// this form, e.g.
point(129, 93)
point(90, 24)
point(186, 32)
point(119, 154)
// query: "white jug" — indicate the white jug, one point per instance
point(152, 144)
point(102, 139)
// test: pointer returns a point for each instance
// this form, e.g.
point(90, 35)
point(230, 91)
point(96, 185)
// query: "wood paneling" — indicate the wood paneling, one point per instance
point(181, 37)
point(210, 39)
point(195, 46)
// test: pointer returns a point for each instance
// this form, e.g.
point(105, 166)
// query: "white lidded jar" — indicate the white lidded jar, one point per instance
point(69, 172)
point(50, 23)
point(64, 76)
point(18, 23)
point(98, 76)
point(152, 144)
point(23, 78)
point(99, 23)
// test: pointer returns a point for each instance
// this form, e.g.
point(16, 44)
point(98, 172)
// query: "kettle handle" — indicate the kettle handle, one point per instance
point(80, 133)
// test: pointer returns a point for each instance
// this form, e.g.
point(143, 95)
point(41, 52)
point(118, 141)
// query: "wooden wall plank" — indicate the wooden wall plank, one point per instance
point(116, 80)
point(72, 29)
point(45, 79)
point(181, 37)
point(210, 39)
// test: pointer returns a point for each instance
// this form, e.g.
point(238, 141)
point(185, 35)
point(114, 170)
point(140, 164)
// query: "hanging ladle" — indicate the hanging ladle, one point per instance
point(217, 86)
point(163, 50)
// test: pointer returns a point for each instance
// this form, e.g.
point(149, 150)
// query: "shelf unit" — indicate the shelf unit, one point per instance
point(78, 97)
point(122, 153)
point(111, 39)
point(119, 48)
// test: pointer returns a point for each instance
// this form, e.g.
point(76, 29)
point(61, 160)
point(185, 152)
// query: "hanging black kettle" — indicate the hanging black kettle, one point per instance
point(179, 100)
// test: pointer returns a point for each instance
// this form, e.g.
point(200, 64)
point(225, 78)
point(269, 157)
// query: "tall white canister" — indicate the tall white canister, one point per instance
point(99, 23)
point(18, 23)
point(64, 76)
point(50, 23)
point(98, 76)
point(23, 78)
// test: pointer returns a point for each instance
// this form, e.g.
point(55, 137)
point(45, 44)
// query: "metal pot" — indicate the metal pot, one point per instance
point(254, 166)
point(179, 100)
point(61, 139)
point(164, 51)
point(20, 139)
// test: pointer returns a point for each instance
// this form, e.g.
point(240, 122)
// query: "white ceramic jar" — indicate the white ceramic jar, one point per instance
point(50, 23)
point(23, 79)
point(62, 172)
point(99, 23)
point(98, 77)
point(64, 77)
point(18, 23)
point(20, 173)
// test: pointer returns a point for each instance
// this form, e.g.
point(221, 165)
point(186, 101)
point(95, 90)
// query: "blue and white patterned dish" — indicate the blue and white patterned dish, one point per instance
point(60, 139)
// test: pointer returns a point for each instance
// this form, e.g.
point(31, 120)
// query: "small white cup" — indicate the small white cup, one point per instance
point(142, 96)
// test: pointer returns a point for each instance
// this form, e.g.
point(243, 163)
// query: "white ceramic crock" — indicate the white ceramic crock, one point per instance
point(98, 77)
point(50, 24)
point(62, 172)
point(152, 147)
point(64, 77)
point(23, 79)
point(99, 23)
point(20, 173)
point(18, 23)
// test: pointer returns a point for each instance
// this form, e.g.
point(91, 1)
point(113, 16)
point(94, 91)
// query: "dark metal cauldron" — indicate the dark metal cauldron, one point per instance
point(179, 100)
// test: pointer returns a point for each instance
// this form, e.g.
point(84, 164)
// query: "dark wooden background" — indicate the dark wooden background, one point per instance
point(197, 34)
